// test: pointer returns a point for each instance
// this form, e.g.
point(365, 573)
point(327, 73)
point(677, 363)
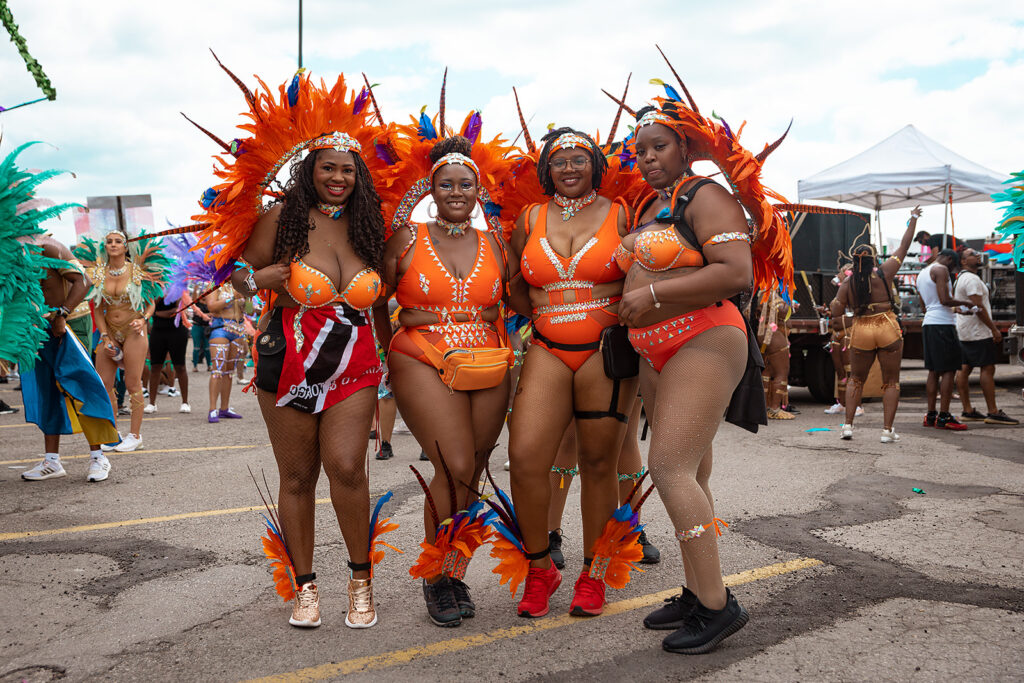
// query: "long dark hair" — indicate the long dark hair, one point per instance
point(864, 263)
point(365, 221)
point(599, 165)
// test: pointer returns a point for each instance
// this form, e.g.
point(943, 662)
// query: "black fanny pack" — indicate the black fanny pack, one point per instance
point(621, 361)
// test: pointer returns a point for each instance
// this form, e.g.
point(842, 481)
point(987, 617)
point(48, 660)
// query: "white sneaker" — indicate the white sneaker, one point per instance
point(860, 411)
point(99, 469)
point(149, 409)
point(185, 408)
point(172, 392)
point(242, 380)
point(835, 410)
point(847, 432)
point(106, 448)
point(164, 390)
point(47, 469)
point(890, 436)
point(129, 443)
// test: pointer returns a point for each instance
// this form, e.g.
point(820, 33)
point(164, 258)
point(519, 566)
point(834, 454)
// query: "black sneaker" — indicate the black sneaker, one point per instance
point(703, 629)
point(672, 615)
point(973, 416)
point(373, 435)
point(929, 418)
point(6, 409)
point(441, 605)
point(1000, 418)
point(555, 541)
point(467, 608)
point(792, 409)
point(385, 452)
point(423, 456)
point(651, 554)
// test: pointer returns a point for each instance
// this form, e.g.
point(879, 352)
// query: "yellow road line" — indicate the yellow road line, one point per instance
point(142, 452)
point(120, 419)
point(445, 647)
point(135, 522)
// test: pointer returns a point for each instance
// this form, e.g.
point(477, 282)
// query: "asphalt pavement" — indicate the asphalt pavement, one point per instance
point(848, 574)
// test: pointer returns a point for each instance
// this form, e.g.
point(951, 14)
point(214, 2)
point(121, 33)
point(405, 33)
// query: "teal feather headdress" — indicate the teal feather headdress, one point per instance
point(22, 305)
point(1012, 225)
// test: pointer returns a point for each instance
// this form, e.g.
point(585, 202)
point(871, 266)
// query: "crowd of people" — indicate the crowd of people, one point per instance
point(598, 280)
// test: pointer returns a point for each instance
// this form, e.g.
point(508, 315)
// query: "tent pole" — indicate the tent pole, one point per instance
point(878, 218)
point(945, 216)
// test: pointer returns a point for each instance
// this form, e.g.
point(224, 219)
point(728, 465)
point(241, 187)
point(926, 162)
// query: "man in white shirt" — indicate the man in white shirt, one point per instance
point(938, 336)
point(978, 338)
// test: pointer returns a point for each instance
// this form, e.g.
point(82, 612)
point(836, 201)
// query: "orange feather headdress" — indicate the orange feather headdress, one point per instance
point(715, 141)
point(404, 184)
point(280, 127)
point(523, 189)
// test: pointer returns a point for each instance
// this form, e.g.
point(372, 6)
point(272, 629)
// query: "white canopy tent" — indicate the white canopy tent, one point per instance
point(906, 169)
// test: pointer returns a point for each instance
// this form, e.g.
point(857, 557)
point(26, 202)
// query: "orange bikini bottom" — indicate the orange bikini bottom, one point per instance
point(467, 335)
point(659, 342)
point(573, 342)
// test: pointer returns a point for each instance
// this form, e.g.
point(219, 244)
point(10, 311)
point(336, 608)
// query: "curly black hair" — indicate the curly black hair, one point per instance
point(600, 164)
point(365, 221)
point(456, 144)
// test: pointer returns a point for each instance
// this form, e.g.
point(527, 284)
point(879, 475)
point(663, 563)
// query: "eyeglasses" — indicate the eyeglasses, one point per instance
point(578, 162)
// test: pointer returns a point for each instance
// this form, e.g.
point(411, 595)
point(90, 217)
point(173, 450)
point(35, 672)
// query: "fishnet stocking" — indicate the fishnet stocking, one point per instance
point(464, 425)
point(301, 443)
point(687, 401)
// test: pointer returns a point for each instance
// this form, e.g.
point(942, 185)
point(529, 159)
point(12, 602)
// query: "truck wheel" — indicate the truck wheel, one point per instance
point(820, 375)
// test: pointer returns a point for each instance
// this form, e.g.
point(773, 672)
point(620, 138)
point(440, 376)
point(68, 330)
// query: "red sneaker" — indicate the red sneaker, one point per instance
point(541, 584)
point(588, 598)
point(949, 422)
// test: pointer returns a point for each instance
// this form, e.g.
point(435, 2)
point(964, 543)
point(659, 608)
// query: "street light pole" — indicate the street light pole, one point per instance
point(300, 34)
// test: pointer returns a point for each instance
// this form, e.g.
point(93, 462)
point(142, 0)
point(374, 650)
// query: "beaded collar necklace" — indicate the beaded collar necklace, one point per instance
point(453, 229)
point(570, 207)
point(332, 211)
point(666, 193)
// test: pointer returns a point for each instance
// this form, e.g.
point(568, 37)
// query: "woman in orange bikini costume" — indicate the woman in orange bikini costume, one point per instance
point(694, 340)
point(449, 279)
point(320, 249)
point(126, 281)
point(868, 292)
point(565, 251)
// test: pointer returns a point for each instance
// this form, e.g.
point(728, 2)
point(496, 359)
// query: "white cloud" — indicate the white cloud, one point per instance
point(123, 70)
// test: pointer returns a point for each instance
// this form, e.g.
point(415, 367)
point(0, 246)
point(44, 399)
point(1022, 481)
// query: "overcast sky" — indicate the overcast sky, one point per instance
point(849, 74)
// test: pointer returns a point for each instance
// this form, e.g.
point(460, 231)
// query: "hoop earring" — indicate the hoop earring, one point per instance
point(432, 204)
point(476, 211)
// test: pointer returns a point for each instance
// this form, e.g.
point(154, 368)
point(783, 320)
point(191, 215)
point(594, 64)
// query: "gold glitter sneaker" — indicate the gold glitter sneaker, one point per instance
point(306, 610)
point(361, 612)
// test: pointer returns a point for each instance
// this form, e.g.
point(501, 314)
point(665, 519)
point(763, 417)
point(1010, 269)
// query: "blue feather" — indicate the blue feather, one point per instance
point(492, 209)
point(426, 128)
point(383, 153)
point(293, 88)
point(671, 92)
point(376, 511)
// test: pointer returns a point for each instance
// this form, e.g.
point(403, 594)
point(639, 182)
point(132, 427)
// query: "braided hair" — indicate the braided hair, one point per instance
point(456, 144)
point(600, 164)
point(365, 221)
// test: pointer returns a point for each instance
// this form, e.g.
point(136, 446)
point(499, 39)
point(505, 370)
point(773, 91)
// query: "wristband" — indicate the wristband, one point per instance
point(250, 279)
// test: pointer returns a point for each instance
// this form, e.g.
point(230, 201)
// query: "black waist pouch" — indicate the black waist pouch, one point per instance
point(621, 361)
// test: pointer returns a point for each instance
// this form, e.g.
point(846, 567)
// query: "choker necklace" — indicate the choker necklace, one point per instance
point(570, 207)
point(667, 192)
point(115, 272)
point(332, 211)
point(453, 229)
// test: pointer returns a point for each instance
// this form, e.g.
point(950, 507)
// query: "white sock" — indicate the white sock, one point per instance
point(96, 454)
point(53, 457)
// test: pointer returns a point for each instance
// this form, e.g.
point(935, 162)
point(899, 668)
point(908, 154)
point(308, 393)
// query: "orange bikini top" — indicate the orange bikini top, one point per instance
point(427, 285)
point(593, 263)
point(312, 289)
point(658, 250)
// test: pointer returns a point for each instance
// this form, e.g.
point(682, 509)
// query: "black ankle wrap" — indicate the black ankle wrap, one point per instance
point(359, 566)
point(538, 555)
point(304, 579)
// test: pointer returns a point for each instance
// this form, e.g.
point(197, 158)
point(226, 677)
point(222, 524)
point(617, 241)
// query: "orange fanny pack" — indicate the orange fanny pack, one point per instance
point(467, 369)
